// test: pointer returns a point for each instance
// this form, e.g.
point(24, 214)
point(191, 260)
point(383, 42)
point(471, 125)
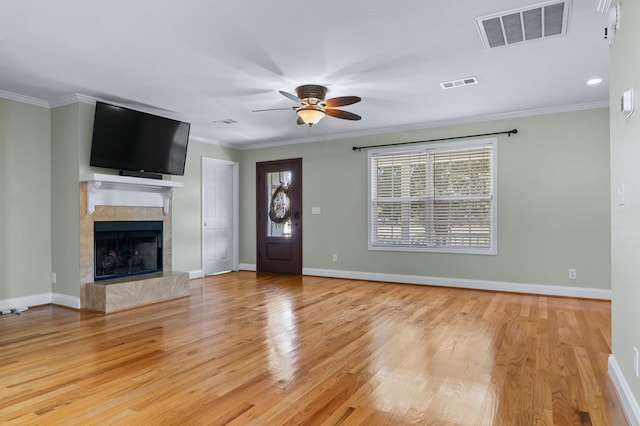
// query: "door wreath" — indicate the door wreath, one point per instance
point(280, 206)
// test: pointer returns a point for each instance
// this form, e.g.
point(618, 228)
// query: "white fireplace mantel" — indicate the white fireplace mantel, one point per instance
point(115, 190)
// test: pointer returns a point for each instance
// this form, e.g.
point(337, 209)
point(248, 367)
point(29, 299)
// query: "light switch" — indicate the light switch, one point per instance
point(621, 194)
point(627, 103)
point(316, 210)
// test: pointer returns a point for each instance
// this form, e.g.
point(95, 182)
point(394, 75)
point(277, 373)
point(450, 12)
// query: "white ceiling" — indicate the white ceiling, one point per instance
point(203, 61)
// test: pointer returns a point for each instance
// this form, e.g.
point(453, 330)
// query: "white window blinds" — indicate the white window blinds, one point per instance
point(437, 198)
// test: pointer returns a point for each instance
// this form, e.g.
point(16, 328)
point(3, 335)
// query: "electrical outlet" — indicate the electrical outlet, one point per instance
point(334, 258)
point(53, 278)
point(572, 274)
point(636, 367)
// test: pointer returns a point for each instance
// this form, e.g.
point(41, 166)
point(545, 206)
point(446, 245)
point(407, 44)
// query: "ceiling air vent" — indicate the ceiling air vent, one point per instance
point(226, 121)
point(528, 23)
point(458, 83)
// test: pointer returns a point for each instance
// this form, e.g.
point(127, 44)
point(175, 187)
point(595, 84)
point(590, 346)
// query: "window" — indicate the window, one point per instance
point(439, 197)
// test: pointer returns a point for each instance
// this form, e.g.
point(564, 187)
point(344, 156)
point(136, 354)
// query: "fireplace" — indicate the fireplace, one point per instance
point(129, 204)
point(125, 248)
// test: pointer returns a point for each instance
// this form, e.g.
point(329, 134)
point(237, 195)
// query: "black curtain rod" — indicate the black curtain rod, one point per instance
point(506, 132)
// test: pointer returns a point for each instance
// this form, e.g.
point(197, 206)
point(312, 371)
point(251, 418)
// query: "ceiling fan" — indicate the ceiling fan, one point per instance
point(313, 107)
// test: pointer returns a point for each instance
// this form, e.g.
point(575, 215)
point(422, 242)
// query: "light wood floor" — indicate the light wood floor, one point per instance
point(266, 349)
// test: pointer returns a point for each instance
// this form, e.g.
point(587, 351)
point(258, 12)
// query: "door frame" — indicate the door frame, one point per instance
point(236, 209)
point(296, 220)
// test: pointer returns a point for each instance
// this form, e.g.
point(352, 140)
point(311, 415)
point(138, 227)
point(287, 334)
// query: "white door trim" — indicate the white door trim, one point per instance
point(236, 209)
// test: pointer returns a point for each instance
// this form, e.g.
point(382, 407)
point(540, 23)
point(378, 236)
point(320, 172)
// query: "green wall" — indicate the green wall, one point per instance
point(625, 219)
point(187, 205)
point(65, 232)
point(553, 212)
point(72, 131)
point(553, 205)
point(25, 200)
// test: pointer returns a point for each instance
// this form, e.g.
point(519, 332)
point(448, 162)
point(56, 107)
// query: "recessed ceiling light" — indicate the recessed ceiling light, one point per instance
point(594, 81)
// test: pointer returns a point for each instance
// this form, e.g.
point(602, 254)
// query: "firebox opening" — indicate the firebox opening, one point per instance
point(125, 248)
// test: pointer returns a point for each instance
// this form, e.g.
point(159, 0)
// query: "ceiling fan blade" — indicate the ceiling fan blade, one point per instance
point(291, 96)
point(342, 101)
point(345, 115)
point(272, 109)
point(300, 121)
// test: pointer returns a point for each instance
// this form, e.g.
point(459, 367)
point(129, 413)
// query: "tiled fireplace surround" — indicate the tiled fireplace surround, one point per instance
point(128, 292)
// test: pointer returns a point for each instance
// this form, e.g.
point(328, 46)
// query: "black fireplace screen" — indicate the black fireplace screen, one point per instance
point(124, 248)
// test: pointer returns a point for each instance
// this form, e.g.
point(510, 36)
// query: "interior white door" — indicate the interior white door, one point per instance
point(219, 235)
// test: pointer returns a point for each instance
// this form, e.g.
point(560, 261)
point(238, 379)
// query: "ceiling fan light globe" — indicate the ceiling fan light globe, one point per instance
point(310, 115)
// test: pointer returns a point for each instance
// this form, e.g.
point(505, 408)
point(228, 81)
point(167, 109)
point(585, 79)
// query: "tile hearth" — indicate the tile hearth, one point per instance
point(123, 293)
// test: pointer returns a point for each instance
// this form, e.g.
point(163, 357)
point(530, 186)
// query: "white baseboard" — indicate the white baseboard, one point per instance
point(547, 290)
point(65, 300)
point(26, 301)
point(629, 403)
point(247, 267)
point(196, 274)
point(542, 289)
point(41, 299)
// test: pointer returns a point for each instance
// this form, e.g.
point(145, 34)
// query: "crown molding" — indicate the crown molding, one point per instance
point(80, 98)
point(549, 110)
point(432, 124)
point(24, 99)
point(73, 99)
point(199, 139)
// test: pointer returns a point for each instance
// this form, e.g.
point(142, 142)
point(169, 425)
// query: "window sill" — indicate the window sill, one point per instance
point(442, 250)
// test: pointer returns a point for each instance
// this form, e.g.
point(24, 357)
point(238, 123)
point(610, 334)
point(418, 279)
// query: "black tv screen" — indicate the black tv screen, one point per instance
point(126, 139)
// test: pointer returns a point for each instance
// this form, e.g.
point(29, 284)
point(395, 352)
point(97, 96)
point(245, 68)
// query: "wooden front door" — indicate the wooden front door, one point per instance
point(279, 216)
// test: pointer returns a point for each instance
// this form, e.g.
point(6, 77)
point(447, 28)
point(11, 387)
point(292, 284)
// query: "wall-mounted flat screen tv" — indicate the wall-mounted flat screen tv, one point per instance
point(136, 141)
